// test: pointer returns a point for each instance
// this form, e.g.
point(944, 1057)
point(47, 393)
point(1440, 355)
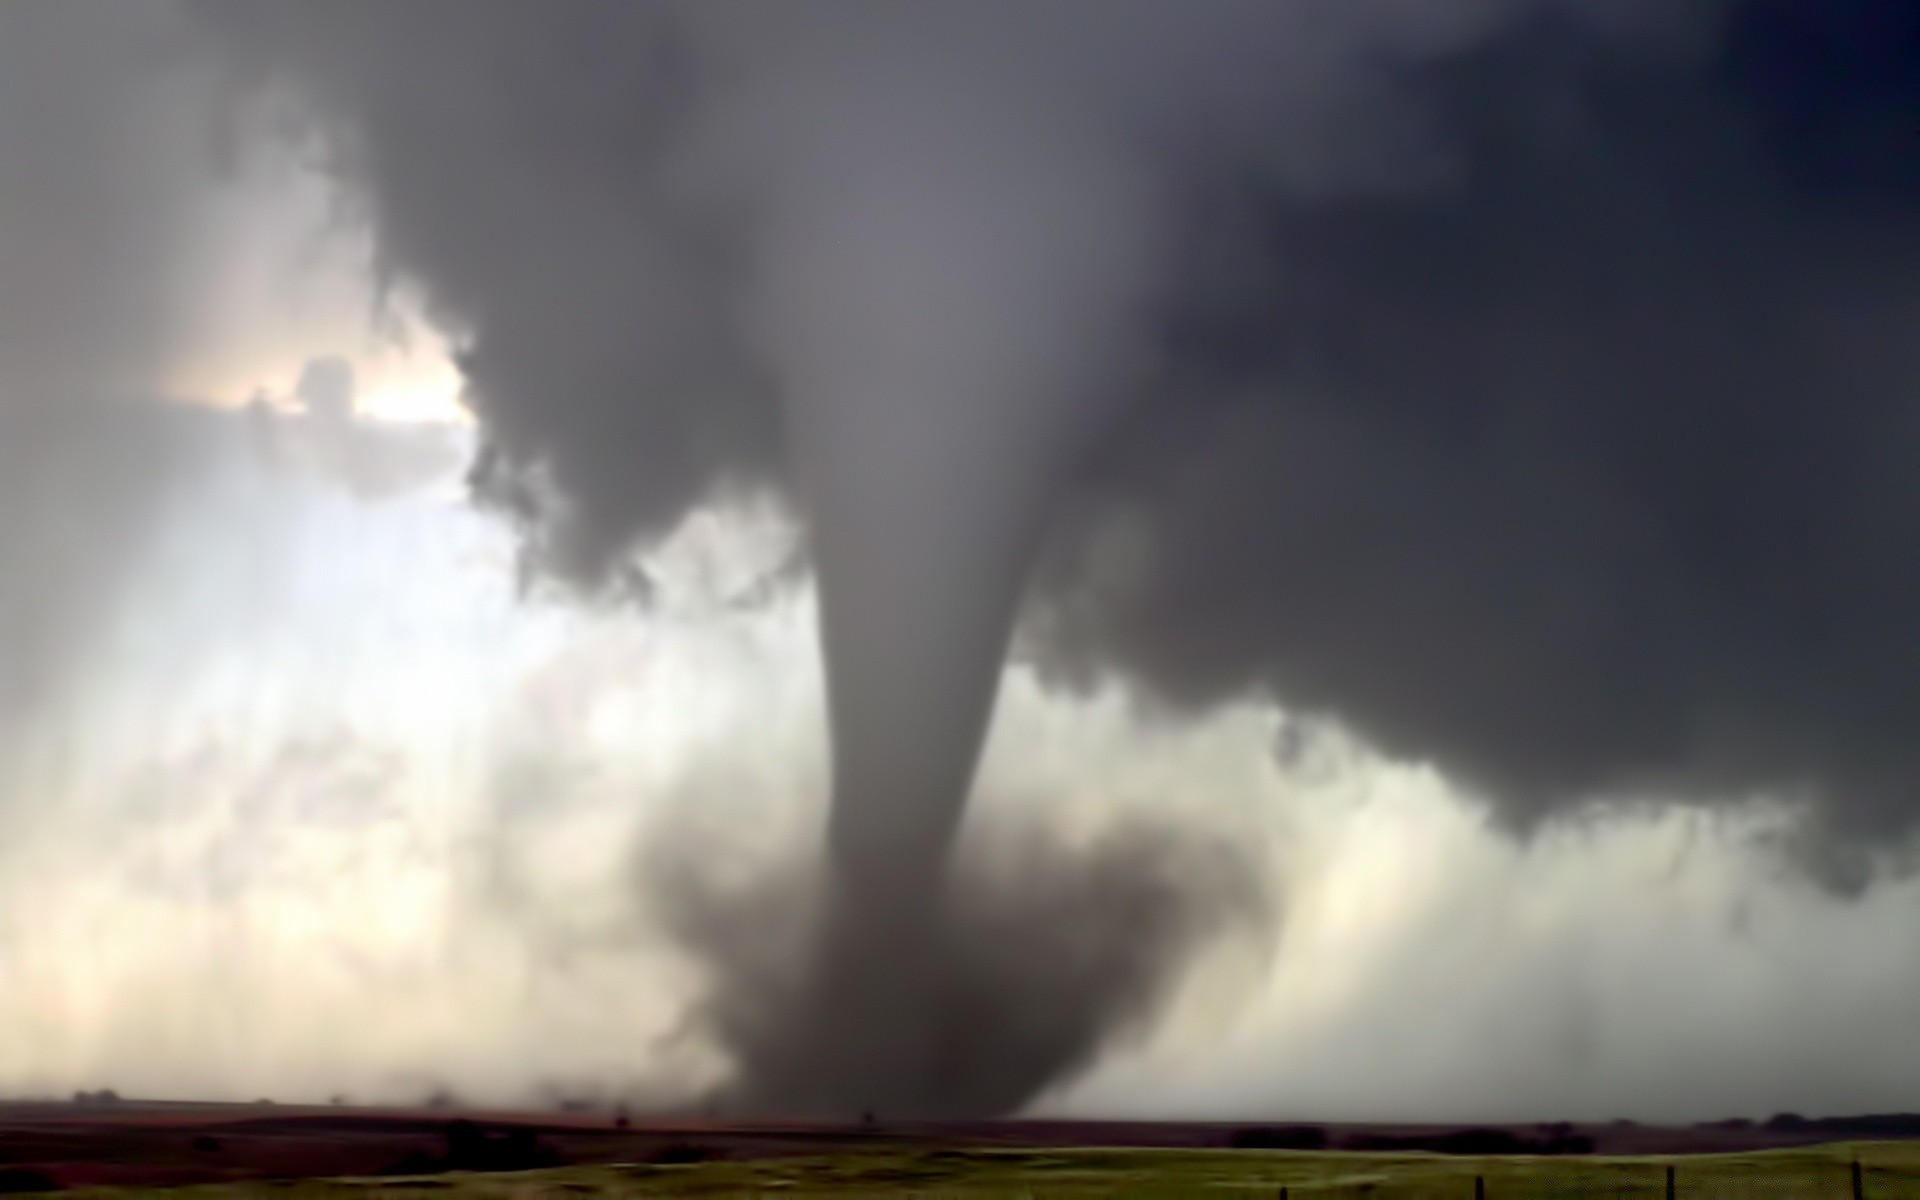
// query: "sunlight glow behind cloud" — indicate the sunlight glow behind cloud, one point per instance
point(287, 274)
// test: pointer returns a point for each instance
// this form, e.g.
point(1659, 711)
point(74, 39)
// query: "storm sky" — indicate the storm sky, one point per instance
point(1450, 464)
point(354, 822)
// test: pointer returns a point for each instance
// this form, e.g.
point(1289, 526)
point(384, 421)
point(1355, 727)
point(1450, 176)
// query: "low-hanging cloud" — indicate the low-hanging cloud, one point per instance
point(1524, 384)
point(1591, 473)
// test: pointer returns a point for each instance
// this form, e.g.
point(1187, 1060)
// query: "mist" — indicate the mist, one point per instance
point(98, 147)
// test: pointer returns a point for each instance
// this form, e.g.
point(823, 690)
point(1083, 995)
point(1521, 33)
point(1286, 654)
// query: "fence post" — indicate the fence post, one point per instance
point(1479, 1187)
point(1859, 1186)
point(1669, 1181)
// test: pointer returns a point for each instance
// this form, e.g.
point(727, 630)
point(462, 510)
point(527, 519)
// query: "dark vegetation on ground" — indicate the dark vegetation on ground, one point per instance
point(1880, 1170)
point(48, 1146)
point(474, 1147)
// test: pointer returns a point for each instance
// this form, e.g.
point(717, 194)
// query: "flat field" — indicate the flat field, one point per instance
point(1887, 1170)
point(214, 1152)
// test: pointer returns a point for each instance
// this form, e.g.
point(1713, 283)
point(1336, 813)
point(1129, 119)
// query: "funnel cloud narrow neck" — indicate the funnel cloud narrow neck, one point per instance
point(916, 324)
point(917, 597)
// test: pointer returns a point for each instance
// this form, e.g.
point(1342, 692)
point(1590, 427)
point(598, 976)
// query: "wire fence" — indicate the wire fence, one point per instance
point(1755, 1178)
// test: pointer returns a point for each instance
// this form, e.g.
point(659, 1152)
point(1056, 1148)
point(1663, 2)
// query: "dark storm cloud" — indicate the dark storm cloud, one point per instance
point(1596, 471)
point(510, 158)
point(1524, 383)
point(99, 159)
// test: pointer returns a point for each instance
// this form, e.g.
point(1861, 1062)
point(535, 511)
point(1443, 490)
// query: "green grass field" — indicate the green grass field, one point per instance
point(1887, 1170)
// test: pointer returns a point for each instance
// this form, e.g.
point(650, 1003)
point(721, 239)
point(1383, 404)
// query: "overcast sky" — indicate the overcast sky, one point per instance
point(333, 799)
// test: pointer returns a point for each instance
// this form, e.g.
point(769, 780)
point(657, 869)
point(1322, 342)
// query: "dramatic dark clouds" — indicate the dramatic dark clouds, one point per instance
point(1537, 382)
point(1526, 385)
point(1593, 471)
point(903, 258)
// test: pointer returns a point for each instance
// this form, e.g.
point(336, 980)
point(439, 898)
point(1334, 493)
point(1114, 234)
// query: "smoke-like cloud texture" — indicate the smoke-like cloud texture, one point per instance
point(1524, 383)
point(100, 153)
point(1591, 472)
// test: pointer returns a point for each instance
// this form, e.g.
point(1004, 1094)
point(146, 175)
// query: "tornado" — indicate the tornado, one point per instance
point(947, 315)
point(1421, 282)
